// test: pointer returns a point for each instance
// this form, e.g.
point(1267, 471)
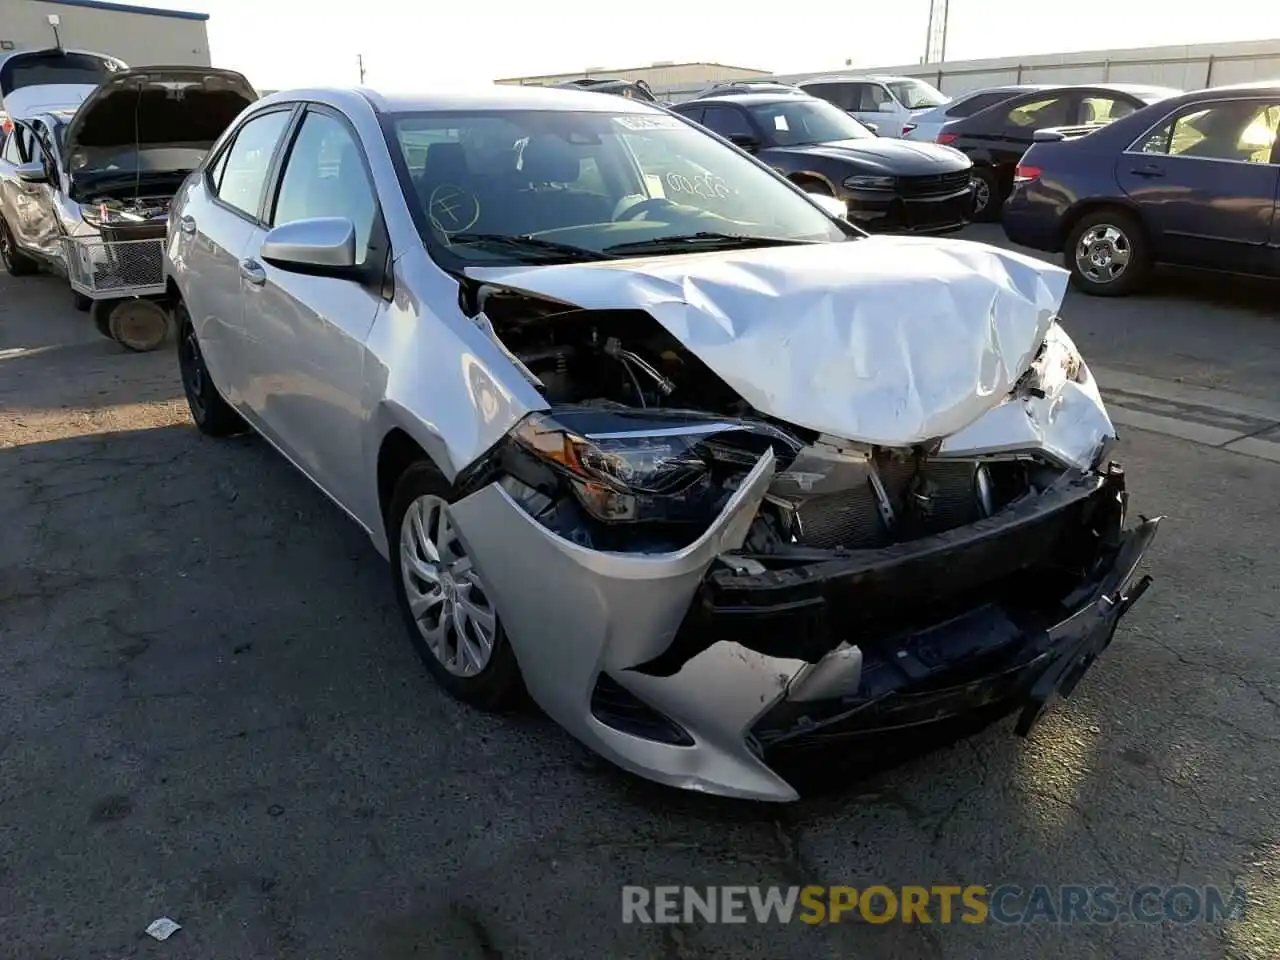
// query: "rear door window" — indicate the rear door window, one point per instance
point(979, 101)
point(1043, 112)
point(1241, 130)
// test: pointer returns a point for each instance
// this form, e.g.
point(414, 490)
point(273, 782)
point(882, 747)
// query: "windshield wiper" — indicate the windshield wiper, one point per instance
point(703, 240)
point(522, 244)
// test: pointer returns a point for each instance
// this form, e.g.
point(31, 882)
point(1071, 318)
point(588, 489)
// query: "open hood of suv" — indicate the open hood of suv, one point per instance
point(885, 340)
point(154, 107)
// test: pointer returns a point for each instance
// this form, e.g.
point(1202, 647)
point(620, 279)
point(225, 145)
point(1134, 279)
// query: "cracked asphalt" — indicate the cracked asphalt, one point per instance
point(208, 711)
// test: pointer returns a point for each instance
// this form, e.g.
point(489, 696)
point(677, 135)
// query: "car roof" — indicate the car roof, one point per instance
point(1260, 87)
point(845, 77)
point(753, 99)
point(485, 98)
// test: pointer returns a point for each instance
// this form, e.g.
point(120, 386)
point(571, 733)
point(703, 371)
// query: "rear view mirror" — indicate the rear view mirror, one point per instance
point(323, 245)
point(32, 173)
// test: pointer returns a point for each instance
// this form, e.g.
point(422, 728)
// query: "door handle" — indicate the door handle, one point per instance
point(1149, 170)
point(252, 272)
point(187, 225)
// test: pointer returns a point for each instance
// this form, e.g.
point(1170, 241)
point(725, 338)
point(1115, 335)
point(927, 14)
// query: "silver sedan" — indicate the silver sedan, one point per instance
point(722, 484)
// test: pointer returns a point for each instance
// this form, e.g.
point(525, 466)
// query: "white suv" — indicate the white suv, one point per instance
point(886, 104)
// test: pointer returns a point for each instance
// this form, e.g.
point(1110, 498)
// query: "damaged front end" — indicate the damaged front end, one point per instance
point(709, 595)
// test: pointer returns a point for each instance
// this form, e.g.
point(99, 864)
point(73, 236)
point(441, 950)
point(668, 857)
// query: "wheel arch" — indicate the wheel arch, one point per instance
point(802, 177)
point(1083, 208)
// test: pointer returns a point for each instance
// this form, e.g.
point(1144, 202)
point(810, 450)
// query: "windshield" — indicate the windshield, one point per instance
point(794, 122)
point(590, 182)
point(916, 94)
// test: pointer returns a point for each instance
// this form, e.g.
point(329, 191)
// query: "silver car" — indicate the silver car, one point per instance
point(723, 484)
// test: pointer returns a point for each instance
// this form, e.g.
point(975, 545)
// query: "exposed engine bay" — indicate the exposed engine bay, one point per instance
point(644, 445)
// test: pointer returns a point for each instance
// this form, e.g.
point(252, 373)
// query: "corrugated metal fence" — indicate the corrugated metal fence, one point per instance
point(1185, 67)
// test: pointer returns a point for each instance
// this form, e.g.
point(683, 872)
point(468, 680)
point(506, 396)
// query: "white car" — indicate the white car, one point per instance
point(886, 104)
point(925, 125)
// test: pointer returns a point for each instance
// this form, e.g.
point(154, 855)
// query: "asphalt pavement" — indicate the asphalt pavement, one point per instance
point(209, 711)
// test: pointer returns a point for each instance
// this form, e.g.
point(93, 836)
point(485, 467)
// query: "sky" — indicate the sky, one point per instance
point(410, 44)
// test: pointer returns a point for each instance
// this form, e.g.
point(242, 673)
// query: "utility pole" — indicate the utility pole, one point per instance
point(935, 46)
point(360, 63)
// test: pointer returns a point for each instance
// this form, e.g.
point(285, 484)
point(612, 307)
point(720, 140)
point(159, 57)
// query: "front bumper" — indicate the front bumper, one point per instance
point(718, 679)
point(878, 211)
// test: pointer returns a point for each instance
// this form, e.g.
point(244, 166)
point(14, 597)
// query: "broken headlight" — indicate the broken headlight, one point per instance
point(625, 469)
point(1057, 362)
point(102, 215)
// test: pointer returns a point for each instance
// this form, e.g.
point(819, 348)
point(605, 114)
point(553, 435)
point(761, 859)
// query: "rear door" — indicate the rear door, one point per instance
point(1205, 179)
point(312, 329)
point(214, 232)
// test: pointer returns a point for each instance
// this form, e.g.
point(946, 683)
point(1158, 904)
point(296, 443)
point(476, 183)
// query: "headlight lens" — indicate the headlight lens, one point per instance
point(100, 215)
point(635, 469)
point(862, 182)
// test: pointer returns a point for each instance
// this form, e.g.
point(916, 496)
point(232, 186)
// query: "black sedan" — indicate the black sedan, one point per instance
point(886, 185)
point(1190, 181)
point(996, 138)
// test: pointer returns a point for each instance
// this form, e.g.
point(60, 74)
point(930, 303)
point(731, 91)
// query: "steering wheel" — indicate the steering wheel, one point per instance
point(644, 206)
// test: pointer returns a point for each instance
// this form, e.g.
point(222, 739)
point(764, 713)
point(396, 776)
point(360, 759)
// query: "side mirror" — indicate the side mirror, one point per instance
point(873, 128)
point(324, 246)
point(887, 106)
point(745, 141)
point(32, 173)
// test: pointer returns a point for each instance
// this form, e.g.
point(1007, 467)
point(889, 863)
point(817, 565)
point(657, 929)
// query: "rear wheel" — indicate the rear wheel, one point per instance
point(987, 195)
point(449, 615)
point(213, 416)
point(17, 263)
point(1107, 253)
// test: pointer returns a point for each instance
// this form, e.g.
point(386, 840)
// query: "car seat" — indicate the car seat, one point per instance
point(549, 168)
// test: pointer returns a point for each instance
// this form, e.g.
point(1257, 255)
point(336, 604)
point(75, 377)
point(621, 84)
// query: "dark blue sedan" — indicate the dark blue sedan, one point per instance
point(1191, 181)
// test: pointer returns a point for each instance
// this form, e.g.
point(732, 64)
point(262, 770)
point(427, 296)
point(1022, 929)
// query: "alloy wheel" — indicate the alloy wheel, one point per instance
point(1102, 254)
point(981, 195)
point(446, 598)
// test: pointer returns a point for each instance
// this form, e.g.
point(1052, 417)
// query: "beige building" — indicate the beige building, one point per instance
point(661, 77)
point(139, 36)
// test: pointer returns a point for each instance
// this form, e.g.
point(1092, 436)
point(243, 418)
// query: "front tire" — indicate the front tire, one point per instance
point(213, 416)
point(451, 620)
point(1107, 253)
point(16, 263)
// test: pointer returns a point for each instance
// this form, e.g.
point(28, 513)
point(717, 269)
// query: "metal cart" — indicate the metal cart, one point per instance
point(122, 272)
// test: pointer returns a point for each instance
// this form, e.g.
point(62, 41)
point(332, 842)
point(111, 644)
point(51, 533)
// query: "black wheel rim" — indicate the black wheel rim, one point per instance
point(192, 364)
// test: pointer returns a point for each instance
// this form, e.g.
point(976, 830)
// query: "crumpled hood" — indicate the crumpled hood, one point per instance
point(885, 340)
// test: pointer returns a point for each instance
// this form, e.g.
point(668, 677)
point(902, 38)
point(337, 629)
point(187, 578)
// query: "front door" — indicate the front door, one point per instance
point(310, 374)
point(1206, 183)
